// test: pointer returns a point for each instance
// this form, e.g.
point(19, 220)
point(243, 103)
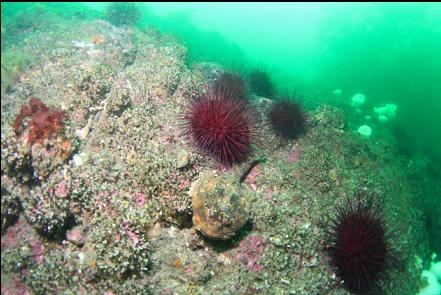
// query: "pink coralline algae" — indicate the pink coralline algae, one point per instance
point(294, 155)
point(13, 234)
point(140, 199)
point(14, 286)
point(37, 249)
point(24, 272)
point(269, 195)
point(251, 179)
point(12, 238)
point(62, 190)
point(133, 236)
point(250, 252)
point(184, 184)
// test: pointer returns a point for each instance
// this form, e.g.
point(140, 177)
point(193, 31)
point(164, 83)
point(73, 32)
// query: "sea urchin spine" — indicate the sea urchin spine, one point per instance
point(230, 81)
point(358, 246)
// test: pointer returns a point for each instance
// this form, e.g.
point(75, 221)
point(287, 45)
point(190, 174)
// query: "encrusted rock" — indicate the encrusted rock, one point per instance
point(128, 56)
point(208, 71)
point(328, 115)
point(93, 82)
point(183, 159)
point(154, 231)
point(218, 205)
point(76, 236)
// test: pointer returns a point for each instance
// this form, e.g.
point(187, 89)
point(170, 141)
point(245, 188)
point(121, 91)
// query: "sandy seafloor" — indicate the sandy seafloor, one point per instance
point(104, 207)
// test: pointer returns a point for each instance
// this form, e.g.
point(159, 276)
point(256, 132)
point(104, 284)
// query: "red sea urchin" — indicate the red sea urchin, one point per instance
point(231, 81)
point(358, 246)
point(287, 119)
point(220, 124)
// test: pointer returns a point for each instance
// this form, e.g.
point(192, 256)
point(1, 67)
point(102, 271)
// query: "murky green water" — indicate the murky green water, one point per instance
point(390, 53)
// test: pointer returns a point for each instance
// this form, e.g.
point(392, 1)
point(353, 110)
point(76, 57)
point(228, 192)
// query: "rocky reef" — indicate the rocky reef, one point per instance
point(117, 201)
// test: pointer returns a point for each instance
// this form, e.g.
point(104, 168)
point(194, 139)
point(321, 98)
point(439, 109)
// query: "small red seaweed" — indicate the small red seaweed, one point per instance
point(294, 155)
point(44, 121)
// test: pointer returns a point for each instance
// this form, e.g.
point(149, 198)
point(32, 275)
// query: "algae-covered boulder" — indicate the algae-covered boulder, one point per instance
point(218, 205)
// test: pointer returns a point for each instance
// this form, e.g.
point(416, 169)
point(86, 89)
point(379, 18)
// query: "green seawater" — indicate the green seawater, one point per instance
point(325, 52)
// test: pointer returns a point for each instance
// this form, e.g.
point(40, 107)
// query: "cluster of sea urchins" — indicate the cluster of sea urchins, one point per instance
point(219, 121)
point(358, 248)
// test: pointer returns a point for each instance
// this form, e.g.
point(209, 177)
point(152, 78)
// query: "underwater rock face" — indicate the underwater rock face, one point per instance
point(183, 159)
point(103, 205)
point(208, 71)
point(218, 205)
point(76, 235)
